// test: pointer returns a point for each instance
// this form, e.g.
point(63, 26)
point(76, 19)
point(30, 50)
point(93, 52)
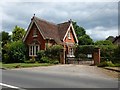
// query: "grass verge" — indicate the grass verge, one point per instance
point(23, 65)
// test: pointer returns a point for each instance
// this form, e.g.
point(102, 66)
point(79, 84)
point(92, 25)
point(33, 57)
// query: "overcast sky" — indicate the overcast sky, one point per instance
point(100, 19)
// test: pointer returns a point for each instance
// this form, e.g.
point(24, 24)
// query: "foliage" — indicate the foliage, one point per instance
point(54, 51)
point(111, 38)
point(51, 55)
point(84, 49)
point(45, 60)
point(40, 54)
point(5, 38)
point(80, 31)
point(83, 38)
point(103, 42)
point(17, 33)
point(17, 65)
point(16, 52)
point(105, 64)
point(116, 55)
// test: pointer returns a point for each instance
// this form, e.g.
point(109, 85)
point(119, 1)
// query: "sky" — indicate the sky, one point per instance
point(100, 19)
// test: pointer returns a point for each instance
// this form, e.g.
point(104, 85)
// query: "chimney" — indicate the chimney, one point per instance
point(33, 17)
point(70, 20)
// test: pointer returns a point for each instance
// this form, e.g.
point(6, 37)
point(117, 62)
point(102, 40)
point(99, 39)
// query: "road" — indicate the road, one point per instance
point(58, 77)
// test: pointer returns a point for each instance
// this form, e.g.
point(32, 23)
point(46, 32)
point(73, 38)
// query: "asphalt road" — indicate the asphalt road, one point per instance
point(30, 78)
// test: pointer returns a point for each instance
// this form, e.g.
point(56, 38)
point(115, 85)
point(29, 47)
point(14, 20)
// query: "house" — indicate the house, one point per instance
point(116, 41)
point(41, 33)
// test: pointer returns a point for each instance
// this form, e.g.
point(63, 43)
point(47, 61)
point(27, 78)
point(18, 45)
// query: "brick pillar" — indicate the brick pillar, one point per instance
point(62, 56)
point(96, 56)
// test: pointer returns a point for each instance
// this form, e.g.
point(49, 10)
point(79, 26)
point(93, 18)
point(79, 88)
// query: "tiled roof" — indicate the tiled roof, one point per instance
point(52, 31)
point(116, 38)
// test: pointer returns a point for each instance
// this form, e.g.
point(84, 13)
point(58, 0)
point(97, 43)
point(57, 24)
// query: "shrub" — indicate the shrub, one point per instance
point(6, 58)
point(53, 52)
point(16, 52)
point(105, 64)
point(40, 54)
point(44, 60)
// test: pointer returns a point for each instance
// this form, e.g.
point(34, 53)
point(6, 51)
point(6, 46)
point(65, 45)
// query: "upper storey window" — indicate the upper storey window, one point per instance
point(35, 32)
point(69, 35)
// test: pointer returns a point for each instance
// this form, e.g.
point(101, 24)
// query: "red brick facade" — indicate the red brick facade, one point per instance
point(41, 34)
point(30, 38)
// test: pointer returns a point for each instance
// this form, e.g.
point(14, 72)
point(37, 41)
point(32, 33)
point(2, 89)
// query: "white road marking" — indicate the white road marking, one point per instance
point(10, 86)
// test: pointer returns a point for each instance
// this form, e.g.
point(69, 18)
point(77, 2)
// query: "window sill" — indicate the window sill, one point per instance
point(69, 38)
point(35, 36)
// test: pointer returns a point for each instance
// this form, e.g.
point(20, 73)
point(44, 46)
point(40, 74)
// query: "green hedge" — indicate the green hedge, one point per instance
point(107, 52)
point(50, 55)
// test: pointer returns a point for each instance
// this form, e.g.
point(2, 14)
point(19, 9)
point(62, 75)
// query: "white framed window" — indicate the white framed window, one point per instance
point(35, 32)
point(33, 49)
point(71, 52)
point(69, 35)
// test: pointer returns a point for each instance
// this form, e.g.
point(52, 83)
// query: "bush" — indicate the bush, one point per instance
point(40, 54)
point(6, 58)
point(45, 60)
point(16, 52)
point(105, 64)
point(53, 52)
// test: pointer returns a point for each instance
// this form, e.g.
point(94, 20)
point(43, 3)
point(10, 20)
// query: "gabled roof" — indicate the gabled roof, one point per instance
point(116, 38)
point(62, 29)
point(50, 30)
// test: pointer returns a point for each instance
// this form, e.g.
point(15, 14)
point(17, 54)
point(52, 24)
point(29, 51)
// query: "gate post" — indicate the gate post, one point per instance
point(62, 56)
point(96, 56)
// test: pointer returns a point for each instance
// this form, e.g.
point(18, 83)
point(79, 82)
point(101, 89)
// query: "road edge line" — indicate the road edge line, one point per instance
point(10, 86)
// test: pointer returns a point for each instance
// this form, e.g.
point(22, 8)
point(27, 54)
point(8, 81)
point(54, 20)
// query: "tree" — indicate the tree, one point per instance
point(103, 42)
point(17, 33)
point(5, 38)
point(85, 40)
point(111, 38)
point(80, 31)
point(15, 52)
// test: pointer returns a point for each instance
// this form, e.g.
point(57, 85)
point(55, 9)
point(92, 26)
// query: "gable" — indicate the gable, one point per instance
point(51, 31)
point(70, 37)
point(72, 34)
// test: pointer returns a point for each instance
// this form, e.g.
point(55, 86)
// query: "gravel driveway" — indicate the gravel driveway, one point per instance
point(70, 69)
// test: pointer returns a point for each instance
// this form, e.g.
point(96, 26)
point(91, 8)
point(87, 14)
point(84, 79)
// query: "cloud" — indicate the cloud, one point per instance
point(90, 15)
point(101, 33)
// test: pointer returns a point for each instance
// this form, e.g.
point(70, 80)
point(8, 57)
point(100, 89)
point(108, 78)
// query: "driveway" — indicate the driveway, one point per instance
point(74, 70)
point(60, 76)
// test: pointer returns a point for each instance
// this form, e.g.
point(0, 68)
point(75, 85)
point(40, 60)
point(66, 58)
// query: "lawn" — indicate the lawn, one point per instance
point(22, 65)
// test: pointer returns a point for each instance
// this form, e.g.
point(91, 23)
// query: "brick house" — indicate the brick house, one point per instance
point(41, 33)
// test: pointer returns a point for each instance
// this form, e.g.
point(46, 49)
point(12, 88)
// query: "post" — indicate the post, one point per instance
point(96, 56)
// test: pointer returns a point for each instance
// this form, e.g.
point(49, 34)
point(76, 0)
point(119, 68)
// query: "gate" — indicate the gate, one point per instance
point(84, 61)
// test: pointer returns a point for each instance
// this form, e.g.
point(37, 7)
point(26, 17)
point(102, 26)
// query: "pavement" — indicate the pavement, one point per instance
point(58, 76)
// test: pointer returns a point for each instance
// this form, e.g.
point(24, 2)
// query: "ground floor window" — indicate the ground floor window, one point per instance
point(71, 51)
point(33, 49)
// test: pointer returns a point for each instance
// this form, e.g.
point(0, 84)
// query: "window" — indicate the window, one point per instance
point(71, 51)
point(33, 49)
point(69, 35)
point(35, 32)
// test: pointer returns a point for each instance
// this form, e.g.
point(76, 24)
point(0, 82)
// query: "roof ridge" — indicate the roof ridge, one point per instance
point(45, 21)
point(63, 22)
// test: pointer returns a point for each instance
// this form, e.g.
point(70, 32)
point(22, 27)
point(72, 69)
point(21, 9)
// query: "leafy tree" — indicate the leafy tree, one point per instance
point(15, 52)
point(80, 31)
point(85, 40)
point(17, 33)
point(103, 42)
point(5, 38)
point(111, 38)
